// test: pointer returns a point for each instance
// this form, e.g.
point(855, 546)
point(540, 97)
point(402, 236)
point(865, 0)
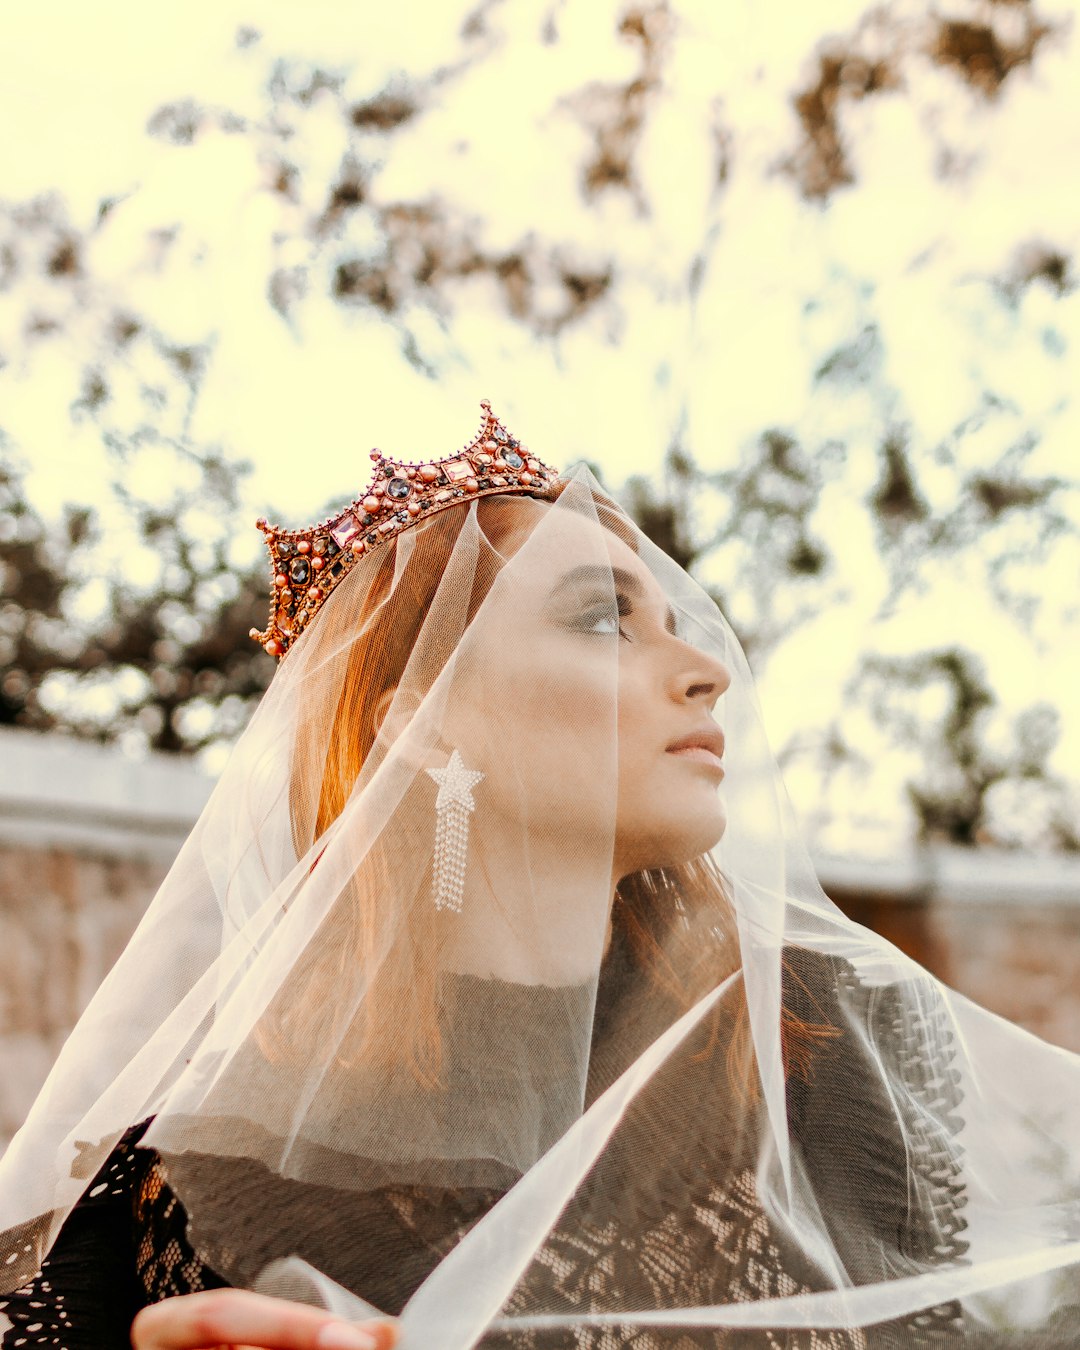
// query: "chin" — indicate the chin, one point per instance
point(704, 838)
point(687, 836)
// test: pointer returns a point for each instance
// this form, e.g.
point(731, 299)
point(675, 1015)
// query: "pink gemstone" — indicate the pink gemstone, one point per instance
point(344, 528)
point(483, 459)
point(387, 526)
point(457, 469)
point(443, 496)
point(498, 480)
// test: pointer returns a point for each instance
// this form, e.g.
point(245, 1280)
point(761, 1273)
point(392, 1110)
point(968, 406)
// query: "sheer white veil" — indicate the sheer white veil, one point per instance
point(687, 1100)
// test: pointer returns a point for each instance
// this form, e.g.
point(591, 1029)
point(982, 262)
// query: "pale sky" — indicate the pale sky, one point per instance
point(785, 282)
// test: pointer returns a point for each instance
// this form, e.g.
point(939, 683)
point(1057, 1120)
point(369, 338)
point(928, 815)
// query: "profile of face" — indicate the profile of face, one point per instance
point(592, 718)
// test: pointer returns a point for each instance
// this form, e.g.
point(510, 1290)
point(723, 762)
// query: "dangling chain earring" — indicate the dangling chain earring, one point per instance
point(453, 806)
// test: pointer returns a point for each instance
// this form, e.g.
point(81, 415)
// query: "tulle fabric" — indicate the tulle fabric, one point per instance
point(705, 1109)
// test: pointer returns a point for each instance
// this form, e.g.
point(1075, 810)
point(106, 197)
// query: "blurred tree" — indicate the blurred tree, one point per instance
point(166, 663)
point(970, 790)
point(167, 660)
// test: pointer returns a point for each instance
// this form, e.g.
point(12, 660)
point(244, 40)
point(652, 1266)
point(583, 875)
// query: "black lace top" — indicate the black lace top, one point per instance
point(700, 1236)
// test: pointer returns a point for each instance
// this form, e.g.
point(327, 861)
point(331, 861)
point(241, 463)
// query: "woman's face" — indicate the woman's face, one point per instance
point(594, 724)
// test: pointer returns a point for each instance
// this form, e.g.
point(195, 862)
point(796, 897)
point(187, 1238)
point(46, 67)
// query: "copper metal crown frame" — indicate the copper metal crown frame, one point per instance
point(307, 564)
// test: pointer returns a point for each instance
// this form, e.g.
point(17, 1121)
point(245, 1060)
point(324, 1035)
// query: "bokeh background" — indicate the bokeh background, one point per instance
point(799, 281)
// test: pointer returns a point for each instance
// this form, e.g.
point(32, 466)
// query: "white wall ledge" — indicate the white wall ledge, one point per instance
point(942, 874)
point(57, 792)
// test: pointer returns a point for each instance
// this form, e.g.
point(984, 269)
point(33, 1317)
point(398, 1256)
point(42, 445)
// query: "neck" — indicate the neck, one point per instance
point(538, 922)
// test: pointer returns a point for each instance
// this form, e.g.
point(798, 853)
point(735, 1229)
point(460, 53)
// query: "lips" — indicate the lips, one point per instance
point(705, 738)
point(704, 746)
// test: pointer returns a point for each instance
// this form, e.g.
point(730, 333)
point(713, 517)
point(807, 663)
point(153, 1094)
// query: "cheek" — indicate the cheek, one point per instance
point(554, 737)
point(639, 737)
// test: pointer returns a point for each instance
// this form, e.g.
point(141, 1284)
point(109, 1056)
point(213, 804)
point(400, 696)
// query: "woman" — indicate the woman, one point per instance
point(484, 995)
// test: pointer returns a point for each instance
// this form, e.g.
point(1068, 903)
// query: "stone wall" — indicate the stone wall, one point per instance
point(65, 917)
point(1022, 964)
point(86, 835)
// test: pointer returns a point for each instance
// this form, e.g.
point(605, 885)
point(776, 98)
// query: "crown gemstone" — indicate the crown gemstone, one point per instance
point(344, 529)
point(457, 469)
point(398, 488)
point(300, 571)
point(501, 435)
point(286, 548)
point(513, 459)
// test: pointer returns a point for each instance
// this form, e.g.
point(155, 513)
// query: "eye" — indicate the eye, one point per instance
point(601, 620)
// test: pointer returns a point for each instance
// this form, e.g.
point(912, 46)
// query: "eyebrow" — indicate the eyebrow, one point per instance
point(598, 574)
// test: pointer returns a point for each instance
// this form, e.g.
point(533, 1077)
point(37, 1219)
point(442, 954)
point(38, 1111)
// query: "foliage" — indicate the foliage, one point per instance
point(157, 655)
point(166, 664)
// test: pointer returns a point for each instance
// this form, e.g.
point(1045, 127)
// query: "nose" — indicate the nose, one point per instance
point(698, 675)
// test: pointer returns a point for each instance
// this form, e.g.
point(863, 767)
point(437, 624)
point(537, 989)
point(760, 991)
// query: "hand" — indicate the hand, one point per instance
point(235, 1318)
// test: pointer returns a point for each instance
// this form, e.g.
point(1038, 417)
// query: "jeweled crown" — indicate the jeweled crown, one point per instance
point(307, 564)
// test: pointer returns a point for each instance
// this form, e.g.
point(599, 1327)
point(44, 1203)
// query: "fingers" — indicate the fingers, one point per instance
point(236, 1317)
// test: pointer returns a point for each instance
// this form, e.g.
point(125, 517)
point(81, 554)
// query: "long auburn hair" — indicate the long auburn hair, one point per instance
point(656, 912)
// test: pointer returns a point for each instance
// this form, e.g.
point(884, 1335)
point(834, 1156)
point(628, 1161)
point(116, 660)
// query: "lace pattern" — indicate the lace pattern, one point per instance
point(129, 1248)
point(710, 1243)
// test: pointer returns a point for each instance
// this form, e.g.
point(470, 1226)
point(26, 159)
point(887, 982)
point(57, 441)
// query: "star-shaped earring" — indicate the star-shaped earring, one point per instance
point(456, 783)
